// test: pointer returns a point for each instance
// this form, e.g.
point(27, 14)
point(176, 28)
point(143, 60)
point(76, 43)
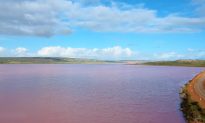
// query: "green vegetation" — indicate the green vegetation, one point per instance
point(48, 60)
point(191, 109)
point(191, 63)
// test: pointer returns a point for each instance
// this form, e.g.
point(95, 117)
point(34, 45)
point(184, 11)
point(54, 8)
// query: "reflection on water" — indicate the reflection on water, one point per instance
point(91, 93)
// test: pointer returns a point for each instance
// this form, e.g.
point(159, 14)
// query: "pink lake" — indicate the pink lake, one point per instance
point(111, 93)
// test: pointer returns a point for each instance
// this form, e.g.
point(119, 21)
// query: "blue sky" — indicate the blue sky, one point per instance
point(103, 29)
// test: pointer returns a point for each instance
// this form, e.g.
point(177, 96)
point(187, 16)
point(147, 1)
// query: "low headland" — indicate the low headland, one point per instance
point(193, 99)
point(188, 63)
point(50, 60)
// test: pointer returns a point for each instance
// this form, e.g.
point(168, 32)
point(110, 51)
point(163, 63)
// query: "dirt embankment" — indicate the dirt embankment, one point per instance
point(193, 100)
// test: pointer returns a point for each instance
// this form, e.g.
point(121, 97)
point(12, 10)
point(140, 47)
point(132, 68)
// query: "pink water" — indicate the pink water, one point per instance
point(91, 93)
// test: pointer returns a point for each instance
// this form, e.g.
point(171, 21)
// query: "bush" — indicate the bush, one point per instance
point(191, 109)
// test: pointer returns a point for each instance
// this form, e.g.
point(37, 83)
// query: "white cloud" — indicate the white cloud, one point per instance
point(32, 17)
point(51, 17)
point(168, 56)
point(116, 52)
point(189, 54)
point(2, 50)
point(120, 18)
point(196, 53)
point(21, 51)
point(110, 53)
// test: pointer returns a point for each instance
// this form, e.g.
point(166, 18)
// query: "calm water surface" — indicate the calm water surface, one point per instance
point(91, 93)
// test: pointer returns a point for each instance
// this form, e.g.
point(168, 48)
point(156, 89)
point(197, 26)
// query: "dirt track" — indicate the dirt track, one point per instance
point(196, 89)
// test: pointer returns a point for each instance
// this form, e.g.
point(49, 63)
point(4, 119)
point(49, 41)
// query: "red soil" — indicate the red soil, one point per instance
point(192, 92)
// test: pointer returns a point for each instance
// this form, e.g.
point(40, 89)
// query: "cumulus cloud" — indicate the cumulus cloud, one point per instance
point(32, 17)
point(116, 52)
point(110, 53)
point(168, 56)
point(21, 51)
point(126, 18)
point(52, 17)
point(196, 53)
point(2, 50)
point(189, 54)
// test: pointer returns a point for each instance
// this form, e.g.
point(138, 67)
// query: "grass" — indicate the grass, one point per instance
point(190, 63)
